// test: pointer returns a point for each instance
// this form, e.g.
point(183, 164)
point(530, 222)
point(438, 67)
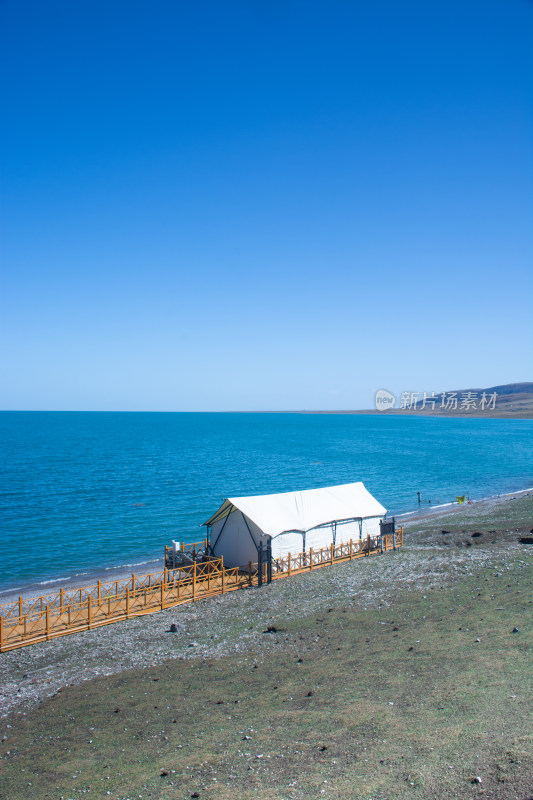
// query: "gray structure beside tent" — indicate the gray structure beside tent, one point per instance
point(292, 522)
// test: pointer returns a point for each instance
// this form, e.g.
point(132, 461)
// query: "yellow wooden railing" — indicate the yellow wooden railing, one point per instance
point(28, 621)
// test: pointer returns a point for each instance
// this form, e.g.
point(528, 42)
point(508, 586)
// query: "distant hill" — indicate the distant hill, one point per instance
point(509, 400)
point(504, 400)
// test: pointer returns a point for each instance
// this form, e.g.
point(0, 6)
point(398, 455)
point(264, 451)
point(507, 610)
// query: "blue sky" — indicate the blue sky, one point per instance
point(263, 205)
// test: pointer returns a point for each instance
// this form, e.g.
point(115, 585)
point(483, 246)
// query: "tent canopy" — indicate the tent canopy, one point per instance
point(301, 511)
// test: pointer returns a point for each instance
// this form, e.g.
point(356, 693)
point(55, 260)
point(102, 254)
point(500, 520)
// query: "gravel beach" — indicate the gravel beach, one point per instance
point(233, 624)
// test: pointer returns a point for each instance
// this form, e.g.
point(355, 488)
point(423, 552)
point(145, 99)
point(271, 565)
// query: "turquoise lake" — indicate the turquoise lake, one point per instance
point(85, 491)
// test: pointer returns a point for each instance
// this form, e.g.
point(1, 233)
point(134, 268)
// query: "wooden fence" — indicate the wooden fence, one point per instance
point(73, 610)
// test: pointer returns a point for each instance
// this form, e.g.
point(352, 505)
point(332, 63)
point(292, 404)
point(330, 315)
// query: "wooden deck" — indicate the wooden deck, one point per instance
point(67, 611)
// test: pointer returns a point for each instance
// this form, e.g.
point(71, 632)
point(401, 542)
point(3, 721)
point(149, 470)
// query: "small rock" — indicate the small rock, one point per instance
point(117, 710)
point(477, 779)
point(478, 641)
point(244, 738)
point(309, 694)
point(193, 644)
point(323, 747)
point(173, 628)
point(164, 773)
point(515, 630)
point(195, 794)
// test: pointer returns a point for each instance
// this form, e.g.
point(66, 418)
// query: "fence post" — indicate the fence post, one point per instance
point(133, 584)
point(351, 549)
point(47, 617)
point(310, 558)
point(222, 568)
point(128, 601)
point(194, 580)
point(162, 598)
point(89, 617)
point(368, 545)
point(61, 600)
point(331, 553)
point(1, 634)
point(99, 587)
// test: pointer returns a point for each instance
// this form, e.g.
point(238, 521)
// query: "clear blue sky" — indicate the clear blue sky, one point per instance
point(263, 205)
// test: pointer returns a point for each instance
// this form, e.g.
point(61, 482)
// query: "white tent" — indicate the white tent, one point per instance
point(294, 521)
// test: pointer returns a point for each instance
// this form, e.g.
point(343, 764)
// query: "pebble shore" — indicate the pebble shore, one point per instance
point(234, 623)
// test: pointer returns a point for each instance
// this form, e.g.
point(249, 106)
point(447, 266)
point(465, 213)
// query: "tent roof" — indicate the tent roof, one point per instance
point(301, 511)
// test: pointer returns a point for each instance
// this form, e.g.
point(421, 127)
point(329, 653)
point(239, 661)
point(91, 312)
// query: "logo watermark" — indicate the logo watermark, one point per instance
point(384, 400)
point(444, 401)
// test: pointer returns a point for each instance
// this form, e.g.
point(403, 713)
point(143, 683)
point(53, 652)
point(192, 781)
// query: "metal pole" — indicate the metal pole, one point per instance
point(260, 565)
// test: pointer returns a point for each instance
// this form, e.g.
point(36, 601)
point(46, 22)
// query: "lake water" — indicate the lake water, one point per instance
point(84, 492)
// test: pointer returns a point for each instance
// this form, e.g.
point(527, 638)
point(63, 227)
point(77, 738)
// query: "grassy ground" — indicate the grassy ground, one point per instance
point(417, 698)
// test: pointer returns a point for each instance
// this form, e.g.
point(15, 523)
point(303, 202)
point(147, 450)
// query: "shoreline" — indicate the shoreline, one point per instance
point(34, 589)
point(233, 625)
point(445, 509)
point(520, 414)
